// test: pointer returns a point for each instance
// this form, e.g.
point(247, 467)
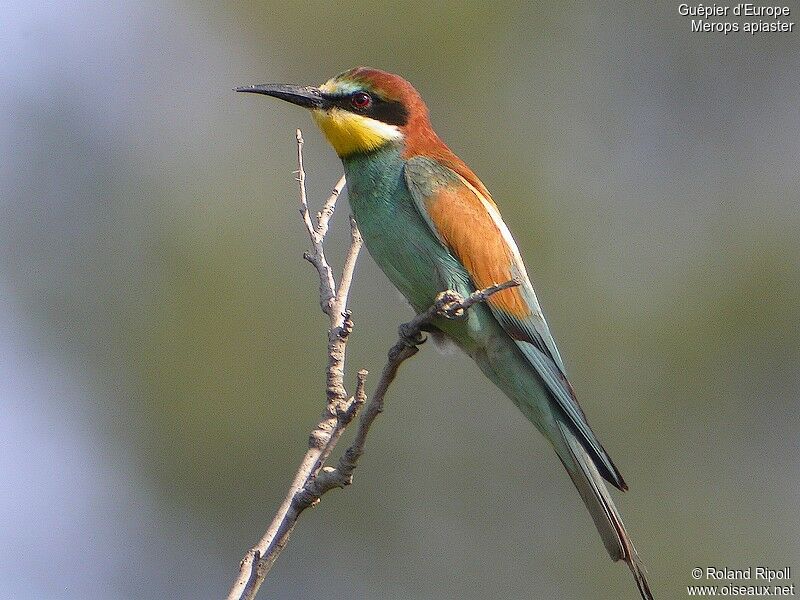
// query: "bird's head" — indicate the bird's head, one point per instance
point(360, 110)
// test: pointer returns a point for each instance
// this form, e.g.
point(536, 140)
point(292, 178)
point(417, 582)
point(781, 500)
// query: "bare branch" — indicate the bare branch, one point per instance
point(349, 267)
point(451, 305)
point(448, 305)
point(316, 257)
point(325, 214)
point(339, 410)
point(313, 479)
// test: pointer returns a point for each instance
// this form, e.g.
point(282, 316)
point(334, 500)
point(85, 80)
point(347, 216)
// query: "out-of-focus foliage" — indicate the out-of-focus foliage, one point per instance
point(161, 347)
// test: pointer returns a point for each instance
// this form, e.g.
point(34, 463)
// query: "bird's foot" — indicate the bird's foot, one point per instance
point(449, 305)
point(411, 334)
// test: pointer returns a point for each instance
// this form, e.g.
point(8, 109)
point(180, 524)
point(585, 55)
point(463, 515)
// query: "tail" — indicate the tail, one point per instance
point(587, 479)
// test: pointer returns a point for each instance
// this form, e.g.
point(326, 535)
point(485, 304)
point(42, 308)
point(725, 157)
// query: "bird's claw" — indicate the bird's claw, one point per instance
point(411, 335)
point(449, 304)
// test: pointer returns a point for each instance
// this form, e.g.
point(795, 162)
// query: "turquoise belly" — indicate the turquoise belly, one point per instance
point(396, 236)
point(405, 248)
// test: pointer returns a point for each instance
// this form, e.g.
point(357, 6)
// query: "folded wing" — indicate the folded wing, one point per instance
point(467, 222)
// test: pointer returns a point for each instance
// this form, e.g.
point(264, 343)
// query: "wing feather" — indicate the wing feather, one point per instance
point(466, 221)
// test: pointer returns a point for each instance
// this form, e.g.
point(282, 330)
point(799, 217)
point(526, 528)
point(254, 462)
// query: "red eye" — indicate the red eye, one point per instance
point(361, 100)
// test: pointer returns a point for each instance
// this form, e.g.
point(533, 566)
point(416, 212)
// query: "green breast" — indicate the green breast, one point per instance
point(408, 252)
point(395, 234)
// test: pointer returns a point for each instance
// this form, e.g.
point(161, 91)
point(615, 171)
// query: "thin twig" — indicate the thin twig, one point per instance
point(349, 267)
point(339, 410)
point(448, 305)
point(313, 479)
point(317, 232)
point(325, 214)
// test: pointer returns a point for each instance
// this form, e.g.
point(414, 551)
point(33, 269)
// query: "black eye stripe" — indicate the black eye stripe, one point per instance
point(390, 112)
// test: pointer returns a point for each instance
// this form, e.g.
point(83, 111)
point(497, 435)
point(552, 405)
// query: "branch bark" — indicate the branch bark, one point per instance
point(313, 478)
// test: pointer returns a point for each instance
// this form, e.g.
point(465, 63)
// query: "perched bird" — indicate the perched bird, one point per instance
point(431, 225)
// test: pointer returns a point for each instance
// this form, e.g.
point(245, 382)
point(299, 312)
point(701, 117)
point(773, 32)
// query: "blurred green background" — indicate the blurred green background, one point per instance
point(162, 350)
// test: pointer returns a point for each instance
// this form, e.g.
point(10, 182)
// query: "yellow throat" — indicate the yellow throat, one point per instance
point(350, 133)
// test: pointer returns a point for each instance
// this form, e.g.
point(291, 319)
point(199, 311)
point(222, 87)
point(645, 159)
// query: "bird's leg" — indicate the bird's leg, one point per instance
point(449, 305)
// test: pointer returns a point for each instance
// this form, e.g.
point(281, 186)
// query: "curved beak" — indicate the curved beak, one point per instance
point(307, 97)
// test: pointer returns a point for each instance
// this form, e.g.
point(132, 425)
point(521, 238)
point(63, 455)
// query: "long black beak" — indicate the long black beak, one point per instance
point(307, 97)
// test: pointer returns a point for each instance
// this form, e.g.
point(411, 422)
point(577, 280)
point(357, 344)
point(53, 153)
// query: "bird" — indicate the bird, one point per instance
point(431, 225)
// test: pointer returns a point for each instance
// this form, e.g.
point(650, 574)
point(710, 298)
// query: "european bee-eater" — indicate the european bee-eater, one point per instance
point(431, 225)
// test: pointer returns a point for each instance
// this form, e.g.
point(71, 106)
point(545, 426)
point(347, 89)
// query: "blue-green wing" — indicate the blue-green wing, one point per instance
point(469, 225)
